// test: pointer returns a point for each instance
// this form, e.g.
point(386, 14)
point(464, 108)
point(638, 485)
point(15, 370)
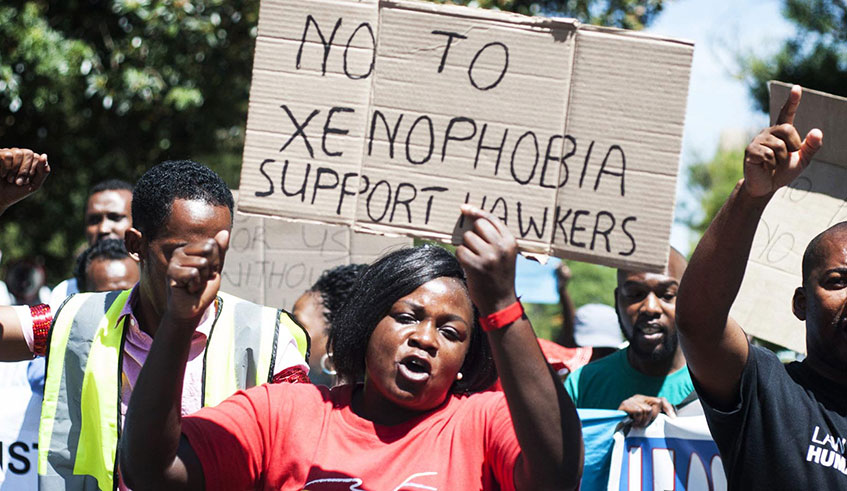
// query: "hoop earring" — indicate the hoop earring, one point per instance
point(326, 366)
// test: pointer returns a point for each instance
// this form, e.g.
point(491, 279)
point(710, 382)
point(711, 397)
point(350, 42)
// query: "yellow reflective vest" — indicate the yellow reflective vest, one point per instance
point(81, 409)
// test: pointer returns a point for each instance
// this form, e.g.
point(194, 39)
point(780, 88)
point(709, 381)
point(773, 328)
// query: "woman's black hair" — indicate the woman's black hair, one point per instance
point(335, 286)
point(378, 287)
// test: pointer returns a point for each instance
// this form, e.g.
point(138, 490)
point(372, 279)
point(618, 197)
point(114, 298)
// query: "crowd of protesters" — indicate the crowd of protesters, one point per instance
point(420, 370)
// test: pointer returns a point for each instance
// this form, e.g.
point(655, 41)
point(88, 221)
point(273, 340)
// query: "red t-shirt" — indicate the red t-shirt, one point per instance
point(299, 436)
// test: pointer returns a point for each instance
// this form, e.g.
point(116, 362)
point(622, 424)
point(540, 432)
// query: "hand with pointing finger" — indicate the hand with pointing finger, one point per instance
point(777, 155)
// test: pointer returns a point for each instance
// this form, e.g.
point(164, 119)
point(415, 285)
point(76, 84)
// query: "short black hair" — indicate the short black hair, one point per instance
point(112, 249)
point(378, 287)
point(110, 185)
point(335, 286)
point(814, 252)
point(155, 192)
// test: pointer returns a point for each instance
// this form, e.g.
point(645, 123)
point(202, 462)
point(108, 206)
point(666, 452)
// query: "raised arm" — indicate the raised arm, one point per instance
point(152, 453)
point(22, 172)
point(544, 417)
point(715, 346)
point(566, 334)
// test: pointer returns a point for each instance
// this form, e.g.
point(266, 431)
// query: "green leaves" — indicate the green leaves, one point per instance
point(628, 14)
point(108, 89)
point(816, 57)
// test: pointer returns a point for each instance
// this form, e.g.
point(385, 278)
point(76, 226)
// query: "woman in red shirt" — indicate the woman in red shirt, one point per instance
point(415, 332)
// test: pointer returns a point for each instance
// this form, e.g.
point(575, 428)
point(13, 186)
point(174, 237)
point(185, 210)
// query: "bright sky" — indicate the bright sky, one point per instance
point(718, 101)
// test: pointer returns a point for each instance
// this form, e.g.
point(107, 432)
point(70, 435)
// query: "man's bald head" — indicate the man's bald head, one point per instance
point(816, 251)
point(675, 268)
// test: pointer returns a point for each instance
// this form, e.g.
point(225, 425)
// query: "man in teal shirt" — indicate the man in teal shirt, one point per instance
point(650, 375)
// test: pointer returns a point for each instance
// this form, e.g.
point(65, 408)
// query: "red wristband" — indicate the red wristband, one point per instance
point(502, 318)
point(293, 375)
point(41, 320)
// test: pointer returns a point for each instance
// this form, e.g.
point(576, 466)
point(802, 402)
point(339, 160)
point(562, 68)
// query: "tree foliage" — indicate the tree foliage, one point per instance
point(816, 57)
point(108, 87)
point(628, 14)
point(711, 182)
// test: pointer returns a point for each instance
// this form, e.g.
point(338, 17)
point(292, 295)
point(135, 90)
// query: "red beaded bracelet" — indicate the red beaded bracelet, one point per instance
point(41, 320)
point(502, 318)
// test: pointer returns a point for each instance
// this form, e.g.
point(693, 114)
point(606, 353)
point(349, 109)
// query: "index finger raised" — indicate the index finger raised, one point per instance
point(789, 109)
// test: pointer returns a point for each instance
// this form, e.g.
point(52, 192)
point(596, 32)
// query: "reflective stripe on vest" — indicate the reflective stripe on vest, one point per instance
point(77, 448)
point(80, 343)
point(241, 368)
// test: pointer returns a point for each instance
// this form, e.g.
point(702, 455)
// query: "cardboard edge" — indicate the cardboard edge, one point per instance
point(615, 31)
point(807, 90)
point(477, 13)
point(611, 262)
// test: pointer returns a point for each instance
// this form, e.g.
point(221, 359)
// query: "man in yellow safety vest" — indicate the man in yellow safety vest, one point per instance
point(97, 342)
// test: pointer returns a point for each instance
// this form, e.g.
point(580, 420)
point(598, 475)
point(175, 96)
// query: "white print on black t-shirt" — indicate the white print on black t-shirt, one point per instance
point(355, 482)
point(827, 450)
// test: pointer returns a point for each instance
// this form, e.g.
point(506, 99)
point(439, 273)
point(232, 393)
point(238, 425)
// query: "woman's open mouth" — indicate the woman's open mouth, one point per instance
point(415, 368)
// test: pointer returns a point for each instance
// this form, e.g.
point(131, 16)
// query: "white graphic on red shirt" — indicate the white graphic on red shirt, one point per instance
point(355, 482)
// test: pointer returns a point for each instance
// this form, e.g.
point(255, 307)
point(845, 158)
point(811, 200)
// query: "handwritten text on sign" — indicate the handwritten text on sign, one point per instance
point(389, 115)
point(272, 262)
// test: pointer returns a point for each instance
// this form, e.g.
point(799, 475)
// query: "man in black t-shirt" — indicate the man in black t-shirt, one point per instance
point(776, 427)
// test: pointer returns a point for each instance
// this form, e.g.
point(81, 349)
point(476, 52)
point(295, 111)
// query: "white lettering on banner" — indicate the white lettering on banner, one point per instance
point(718, 476)
point(664, 473)
point(674, 454)
point(635, 478)
point(698, 479)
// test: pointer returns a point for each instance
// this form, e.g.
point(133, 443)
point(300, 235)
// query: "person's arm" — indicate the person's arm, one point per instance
point(13, 345)
point(153, 455)
point(544, 418)
point(566, 334)
point(715, 347)
point(22, 172)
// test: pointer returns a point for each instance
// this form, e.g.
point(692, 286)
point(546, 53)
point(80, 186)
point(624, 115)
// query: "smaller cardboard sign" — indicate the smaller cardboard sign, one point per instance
point(816, 200)
point(272, 262)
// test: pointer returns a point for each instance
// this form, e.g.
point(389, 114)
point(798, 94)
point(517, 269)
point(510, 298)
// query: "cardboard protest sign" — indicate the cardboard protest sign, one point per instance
point(272, 262)
point(797, 213)
point(388, 115)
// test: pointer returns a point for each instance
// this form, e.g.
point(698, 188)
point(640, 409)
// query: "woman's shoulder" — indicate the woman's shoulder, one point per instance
point(305, 393)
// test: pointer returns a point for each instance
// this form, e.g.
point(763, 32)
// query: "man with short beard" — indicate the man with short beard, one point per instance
point(650, 375)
